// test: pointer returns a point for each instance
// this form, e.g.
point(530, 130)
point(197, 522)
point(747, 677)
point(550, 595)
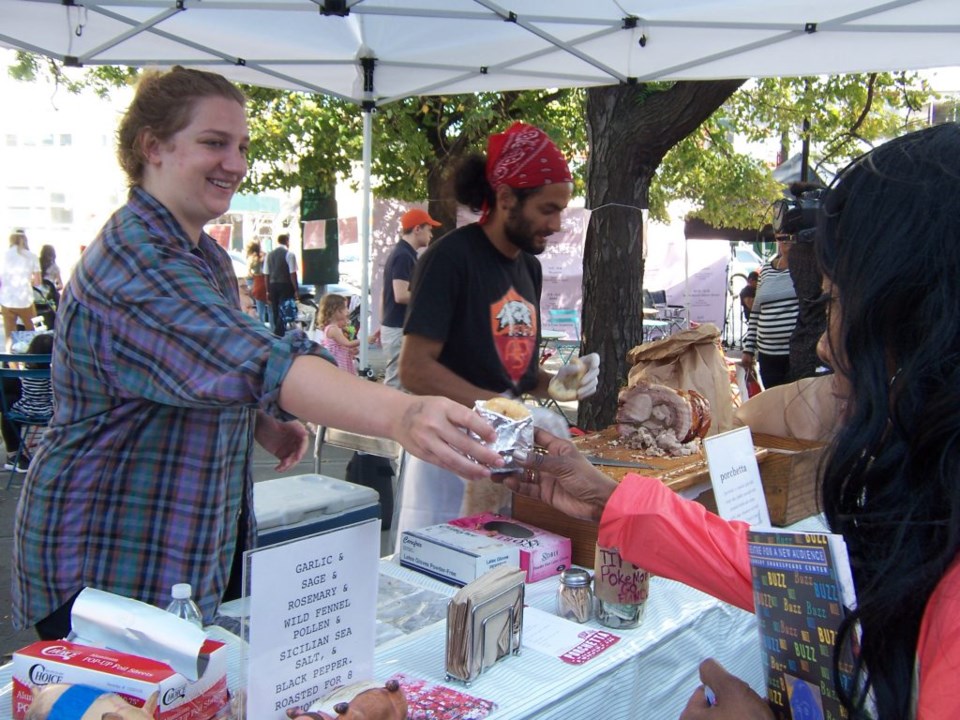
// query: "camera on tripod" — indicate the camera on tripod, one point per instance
point(797, 216)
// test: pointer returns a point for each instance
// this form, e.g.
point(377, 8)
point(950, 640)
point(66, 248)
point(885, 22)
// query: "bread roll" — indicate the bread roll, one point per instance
point(563, 386)
point(507, 407)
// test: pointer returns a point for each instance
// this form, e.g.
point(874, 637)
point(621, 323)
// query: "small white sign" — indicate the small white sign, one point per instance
point(568, 641)
point(735, 477)
point(313, 606)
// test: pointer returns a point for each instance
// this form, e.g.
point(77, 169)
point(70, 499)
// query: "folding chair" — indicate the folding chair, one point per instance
point(670, 318)
point(25, 425)
point(569, 318)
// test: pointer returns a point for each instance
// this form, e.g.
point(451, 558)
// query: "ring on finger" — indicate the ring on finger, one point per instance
point(538, 454)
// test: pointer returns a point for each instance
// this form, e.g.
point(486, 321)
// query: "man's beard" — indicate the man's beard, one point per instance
point(519, 231)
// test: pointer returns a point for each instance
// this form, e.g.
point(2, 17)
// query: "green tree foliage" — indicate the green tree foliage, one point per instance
point(300, 139)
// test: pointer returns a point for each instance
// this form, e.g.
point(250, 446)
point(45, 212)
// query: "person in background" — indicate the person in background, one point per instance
point(772, 319)
point(472, 330)
point(332, 318)
point(49, 270)
point(891, 479)
point(257, 281)
point(163, 384)
point(749, 293)
point(36, 394)
point(282, 285)
point(812, 313)
point(34, 397)
point(416, 228)
point(19, 274)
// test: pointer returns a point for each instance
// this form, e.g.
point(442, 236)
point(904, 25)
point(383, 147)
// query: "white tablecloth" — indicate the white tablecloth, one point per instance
point(651, 672)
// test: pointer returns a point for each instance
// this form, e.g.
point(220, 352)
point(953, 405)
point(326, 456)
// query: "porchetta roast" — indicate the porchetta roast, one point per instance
point(660, 420)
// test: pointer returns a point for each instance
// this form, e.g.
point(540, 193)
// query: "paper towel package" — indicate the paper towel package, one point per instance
point(133, 677)
point(452, 554)
point(542, 553)
point(292, 507)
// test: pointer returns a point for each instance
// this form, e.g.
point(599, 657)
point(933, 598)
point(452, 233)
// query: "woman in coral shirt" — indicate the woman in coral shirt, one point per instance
point(888, 242)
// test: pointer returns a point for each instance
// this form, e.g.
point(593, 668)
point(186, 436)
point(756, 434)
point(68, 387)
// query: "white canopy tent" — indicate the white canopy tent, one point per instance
point(376, 51)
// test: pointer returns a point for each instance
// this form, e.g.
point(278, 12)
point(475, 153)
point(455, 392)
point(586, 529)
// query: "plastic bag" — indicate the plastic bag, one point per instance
point(288, 311)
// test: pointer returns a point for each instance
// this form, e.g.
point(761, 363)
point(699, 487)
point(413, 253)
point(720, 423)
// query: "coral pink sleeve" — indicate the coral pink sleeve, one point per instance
point(656, 529)
point(938, 651)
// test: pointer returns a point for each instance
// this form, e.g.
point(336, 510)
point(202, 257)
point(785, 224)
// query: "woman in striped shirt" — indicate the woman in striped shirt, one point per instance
point(772, 320)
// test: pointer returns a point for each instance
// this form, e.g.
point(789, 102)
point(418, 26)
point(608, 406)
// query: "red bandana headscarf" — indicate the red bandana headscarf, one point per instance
point(523, 156)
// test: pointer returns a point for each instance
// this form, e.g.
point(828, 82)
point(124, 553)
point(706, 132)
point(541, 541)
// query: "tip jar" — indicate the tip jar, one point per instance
point(621, 589)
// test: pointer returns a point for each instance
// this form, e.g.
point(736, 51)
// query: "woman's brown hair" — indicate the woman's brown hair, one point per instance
point(163, 105)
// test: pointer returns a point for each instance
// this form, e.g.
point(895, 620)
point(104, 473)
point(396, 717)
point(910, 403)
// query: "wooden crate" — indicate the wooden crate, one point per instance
point(787, 471)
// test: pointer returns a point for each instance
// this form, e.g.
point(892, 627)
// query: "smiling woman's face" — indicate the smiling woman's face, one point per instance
point(197, 171)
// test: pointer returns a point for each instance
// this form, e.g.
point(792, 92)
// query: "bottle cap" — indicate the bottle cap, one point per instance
point(181, 591)
point(575, 577)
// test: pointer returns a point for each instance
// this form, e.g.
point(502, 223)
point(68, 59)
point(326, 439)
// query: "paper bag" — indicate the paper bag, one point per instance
point(688, 360)
point(803, 410)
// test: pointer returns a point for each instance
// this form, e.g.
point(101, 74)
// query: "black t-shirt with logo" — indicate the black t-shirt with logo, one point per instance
point(399, 266)
point(483, 306)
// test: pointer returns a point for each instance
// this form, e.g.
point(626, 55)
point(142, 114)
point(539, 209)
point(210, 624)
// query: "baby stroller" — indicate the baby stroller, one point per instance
point(45, 300)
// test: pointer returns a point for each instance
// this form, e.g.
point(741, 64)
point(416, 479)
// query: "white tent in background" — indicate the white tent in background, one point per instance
point(376, 51)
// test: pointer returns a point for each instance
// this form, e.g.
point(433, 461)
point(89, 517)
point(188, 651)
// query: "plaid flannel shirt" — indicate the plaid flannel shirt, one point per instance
point(158, 375)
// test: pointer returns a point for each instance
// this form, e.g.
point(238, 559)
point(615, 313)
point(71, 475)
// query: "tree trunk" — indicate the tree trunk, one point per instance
point(443, 202)
point(630, 128)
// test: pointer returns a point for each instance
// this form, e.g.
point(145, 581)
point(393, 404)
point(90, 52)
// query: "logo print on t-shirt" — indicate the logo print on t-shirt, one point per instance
point(514, 328)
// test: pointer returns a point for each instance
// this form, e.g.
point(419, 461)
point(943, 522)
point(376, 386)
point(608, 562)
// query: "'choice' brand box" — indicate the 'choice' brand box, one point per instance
point(542, 553)
point(133, 677)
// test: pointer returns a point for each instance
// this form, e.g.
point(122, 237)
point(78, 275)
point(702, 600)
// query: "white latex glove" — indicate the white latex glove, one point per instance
point(550, 421)
point(588, 383)
point(590, 366)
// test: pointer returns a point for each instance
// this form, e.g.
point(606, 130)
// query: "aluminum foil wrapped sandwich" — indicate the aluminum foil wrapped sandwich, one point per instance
point(513, 424)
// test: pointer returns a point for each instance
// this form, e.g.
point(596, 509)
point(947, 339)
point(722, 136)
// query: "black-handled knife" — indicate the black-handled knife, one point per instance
point(597, 460)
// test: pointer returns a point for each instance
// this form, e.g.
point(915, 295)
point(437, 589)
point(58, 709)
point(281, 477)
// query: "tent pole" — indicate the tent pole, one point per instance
point(365, 239)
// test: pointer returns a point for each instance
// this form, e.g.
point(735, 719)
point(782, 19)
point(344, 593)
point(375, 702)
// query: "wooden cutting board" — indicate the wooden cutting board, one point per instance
point(678, 473)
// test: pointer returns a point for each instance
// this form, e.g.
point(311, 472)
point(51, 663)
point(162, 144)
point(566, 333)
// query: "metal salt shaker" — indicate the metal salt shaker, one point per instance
point(574, 596)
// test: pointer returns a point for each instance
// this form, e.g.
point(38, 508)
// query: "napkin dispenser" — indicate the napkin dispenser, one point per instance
point(484, 623)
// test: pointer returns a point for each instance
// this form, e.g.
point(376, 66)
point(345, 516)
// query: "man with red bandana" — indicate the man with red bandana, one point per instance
point(472, 329)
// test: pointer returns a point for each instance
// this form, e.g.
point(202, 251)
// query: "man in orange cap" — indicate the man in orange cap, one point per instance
point(416, 229)
point(472, 330)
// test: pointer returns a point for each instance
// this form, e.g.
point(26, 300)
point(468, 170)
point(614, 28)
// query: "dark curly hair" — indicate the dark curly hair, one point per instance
point(471, 187)
point(889, 239)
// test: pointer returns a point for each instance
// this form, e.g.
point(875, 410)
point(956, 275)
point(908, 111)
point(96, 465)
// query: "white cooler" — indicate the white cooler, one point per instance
point(291, 507)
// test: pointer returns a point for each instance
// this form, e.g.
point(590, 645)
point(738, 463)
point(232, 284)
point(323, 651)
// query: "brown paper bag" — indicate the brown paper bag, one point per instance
point(688, 360)
point(803, 410)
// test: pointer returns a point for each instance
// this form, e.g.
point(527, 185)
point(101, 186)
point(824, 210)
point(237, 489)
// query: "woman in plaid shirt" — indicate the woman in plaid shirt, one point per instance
point(163, 384)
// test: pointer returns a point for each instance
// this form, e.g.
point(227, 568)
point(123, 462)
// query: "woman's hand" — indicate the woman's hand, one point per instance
point(563, 478)
point(287, 441)
point(432, 428)
point(734, 699)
